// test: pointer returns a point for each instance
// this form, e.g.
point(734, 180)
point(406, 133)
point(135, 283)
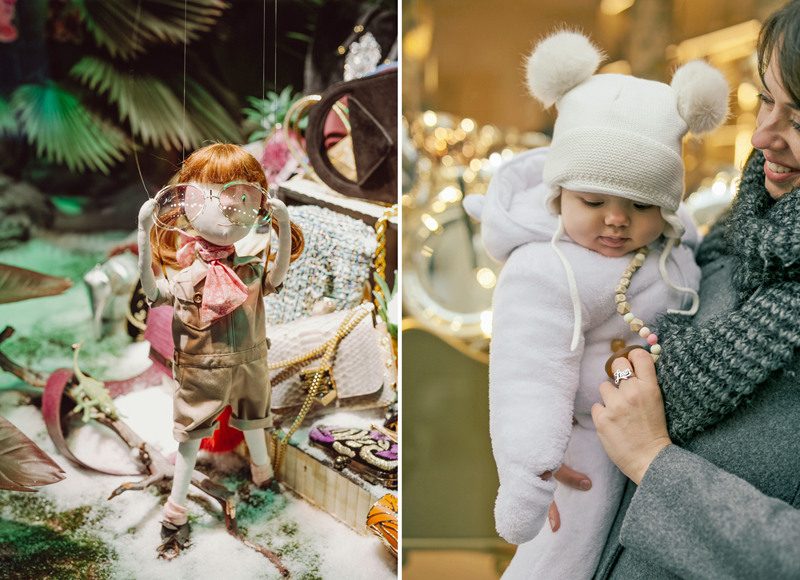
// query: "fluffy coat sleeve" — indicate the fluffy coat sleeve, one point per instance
point(533, 378)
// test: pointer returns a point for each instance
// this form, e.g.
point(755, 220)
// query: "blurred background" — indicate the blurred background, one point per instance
point(466, 111)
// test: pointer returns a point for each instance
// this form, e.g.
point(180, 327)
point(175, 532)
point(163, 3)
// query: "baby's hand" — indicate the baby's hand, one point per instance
point(146, 218)
point(279, 211)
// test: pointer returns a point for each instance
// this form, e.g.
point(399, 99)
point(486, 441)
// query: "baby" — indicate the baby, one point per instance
point(587, 231)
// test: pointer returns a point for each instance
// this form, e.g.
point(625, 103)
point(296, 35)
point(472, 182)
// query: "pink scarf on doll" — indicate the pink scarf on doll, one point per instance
point(224, 291)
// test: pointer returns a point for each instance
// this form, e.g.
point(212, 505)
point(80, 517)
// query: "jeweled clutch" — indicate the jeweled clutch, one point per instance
point(369, 453)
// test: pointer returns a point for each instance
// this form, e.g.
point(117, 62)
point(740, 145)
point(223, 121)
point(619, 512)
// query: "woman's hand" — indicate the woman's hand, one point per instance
point(279, 211)
point(567, 476)
point(631, 423)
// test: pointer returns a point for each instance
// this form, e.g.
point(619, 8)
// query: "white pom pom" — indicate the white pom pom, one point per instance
point(559, 63)
point(702, 96)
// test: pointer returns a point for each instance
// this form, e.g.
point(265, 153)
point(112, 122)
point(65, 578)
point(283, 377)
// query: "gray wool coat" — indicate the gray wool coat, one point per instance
point(725, 505)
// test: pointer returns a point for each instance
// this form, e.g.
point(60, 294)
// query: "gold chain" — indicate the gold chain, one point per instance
point(352, 320)
point(380, 255)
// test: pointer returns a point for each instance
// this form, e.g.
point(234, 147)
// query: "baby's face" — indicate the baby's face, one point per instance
point(609, 225)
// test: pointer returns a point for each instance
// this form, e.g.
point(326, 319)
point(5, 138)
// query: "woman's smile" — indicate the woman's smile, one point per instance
point(778, 172)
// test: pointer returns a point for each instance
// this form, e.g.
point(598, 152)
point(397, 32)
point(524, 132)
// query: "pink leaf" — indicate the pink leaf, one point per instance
point(22, 462)
point(20, 284)
point(51, 412)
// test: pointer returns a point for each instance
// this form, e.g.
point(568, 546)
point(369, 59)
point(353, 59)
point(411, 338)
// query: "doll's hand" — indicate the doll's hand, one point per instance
point(279, 211)
point(146, 218)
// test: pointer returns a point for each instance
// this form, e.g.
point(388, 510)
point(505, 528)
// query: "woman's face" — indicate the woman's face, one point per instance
point(778, 134)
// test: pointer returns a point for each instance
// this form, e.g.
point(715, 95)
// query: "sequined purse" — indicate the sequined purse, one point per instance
point(335, 265)
point(372, 454)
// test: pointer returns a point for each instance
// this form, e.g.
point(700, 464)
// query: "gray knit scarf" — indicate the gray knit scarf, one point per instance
point(709, 370)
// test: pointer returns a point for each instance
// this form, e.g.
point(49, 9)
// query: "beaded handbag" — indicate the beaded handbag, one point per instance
point(372, 454)
point(335, 264)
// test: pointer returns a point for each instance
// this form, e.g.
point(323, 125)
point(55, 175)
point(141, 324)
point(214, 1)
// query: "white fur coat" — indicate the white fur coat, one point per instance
point(537, 385)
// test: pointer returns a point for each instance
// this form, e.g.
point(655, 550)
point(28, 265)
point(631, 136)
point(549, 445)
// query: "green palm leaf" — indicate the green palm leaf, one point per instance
point(268, 112)
point(153, 109)
point(210, 120)
point(154, 112)
point(64, 131)
point(8, 121)
point(113, 22)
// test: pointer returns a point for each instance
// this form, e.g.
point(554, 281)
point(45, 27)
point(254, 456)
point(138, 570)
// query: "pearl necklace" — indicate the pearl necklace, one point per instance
point(624, 308)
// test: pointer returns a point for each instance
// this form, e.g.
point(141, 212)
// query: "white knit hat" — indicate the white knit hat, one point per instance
point(617, 134)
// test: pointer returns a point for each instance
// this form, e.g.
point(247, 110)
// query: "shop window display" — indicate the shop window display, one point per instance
point(332, 335)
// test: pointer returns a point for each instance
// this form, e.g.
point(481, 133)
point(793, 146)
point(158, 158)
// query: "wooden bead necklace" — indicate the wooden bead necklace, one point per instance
point(624, 308)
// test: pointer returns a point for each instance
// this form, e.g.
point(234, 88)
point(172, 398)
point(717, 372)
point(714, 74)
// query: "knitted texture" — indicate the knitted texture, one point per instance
point(610, 127)
point(709, 370)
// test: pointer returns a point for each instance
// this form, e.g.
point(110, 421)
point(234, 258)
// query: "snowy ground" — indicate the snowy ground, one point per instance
point(70, 530)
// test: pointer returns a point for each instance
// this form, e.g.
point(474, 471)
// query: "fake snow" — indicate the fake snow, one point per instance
point(312, 544)
point(70, 530)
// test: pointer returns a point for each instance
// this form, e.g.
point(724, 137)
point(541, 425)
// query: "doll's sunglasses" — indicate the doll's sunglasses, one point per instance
point(243, 204)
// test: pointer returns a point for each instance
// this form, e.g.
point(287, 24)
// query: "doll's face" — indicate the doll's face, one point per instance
point(609, 225)
point(211, 224)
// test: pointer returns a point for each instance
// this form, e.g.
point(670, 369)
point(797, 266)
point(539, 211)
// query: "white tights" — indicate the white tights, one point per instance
point(187, 458)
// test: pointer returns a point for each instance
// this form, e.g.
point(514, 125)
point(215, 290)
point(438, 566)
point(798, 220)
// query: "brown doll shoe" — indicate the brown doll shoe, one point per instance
point(174, 538)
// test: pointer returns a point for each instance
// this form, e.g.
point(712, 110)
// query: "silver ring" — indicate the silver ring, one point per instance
point(621, 375)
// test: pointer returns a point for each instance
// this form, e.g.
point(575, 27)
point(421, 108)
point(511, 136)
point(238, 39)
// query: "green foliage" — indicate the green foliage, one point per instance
point(114, 22)
point(266, 113)
point(66, 132)
point(39, 541)
point(8, 121)
point(384, 299)
point(210, 119)
point(153, 110)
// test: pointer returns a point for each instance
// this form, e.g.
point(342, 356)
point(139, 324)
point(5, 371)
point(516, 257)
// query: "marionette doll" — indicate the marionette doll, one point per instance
point(218, 327)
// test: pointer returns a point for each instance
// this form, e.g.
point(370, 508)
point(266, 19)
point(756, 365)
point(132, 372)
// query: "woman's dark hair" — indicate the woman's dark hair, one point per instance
point(782, 31)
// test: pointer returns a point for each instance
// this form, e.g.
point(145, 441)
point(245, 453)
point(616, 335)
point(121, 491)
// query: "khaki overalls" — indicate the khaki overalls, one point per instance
point(223, 362)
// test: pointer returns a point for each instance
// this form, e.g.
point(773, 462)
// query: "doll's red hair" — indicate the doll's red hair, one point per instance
point(217, 163)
